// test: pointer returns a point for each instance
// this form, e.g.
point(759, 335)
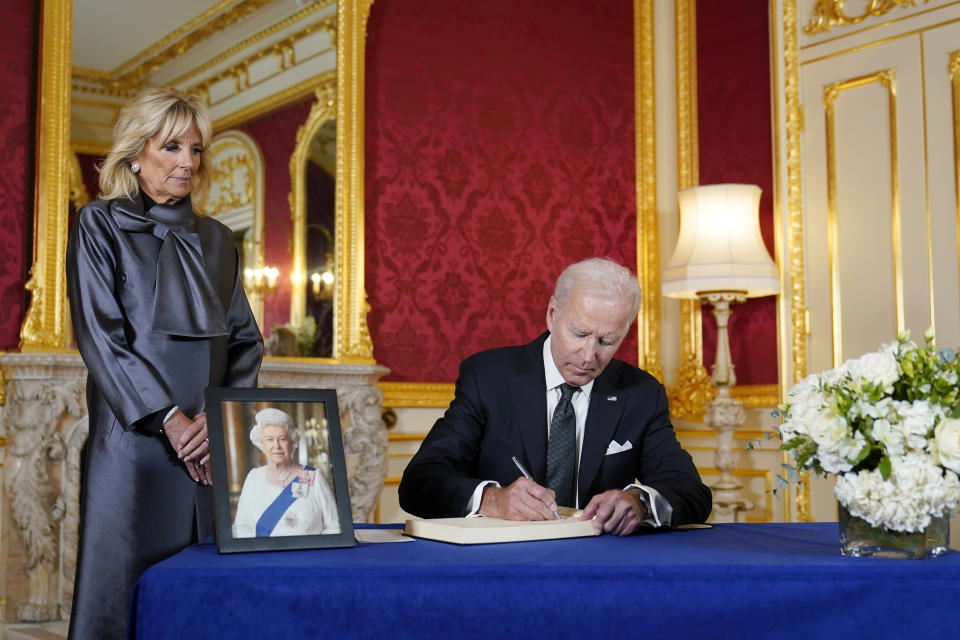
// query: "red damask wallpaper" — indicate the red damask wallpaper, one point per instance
point(17, 73)
point(499, 149)
point(736, 145)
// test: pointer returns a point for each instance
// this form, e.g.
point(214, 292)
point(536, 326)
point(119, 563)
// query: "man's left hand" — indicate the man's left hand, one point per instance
point(619, 512)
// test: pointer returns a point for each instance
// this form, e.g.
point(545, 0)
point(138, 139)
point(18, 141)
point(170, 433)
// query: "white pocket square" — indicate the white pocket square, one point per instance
point(616, 447)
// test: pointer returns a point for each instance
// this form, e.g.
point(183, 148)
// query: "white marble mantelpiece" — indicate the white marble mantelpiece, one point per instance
point(43, 427)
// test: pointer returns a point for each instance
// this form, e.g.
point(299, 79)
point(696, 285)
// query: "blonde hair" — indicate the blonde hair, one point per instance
point(159, 110)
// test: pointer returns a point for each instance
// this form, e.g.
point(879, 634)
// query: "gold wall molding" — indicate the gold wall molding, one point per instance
point(754, 396)
point(648, 254)
point(887, 79)
point(276, 101)
point(693, 388)
point(283, 52)
point(89, 148)
point(954, 68)
point(438, 395)
point(795, 232)
point(324, 109)
point(78, 191)
point(43, 327)
point(132, 75)
point(830, 13)
point(351, 335)
point(416, 394)
point(328, 24)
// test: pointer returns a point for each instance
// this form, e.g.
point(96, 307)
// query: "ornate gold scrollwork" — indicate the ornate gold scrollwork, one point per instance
point(955, 104)
point(829, 13)
point(351, 335)
point(43, 327)
point(693, 388)
point(78, 191)
point(648, 256)
point(795, 241)
point(323, 109)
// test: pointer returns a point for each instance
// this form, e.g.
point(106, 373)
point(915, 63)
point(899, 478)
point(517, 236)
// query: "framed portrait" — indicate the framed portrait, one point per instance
point(279, 477)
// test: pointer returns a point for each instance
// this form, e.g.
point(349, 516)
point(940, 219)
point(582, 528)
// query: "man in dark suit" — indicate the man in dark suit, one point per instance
point(591, 431)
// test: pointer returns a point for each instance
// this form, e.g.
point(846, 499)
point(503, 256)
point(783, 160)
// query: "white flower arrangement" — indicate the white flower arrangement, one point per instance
point(888, 423)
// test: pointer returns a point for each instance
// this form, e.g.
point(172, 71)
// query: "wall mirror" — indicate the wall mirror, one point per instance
point(247, 58)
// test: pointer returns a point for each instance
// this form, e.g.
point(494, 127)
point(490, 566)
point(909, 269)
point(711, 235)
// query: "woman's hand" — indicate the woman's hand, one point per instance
point(194, 445)
point(189, 439)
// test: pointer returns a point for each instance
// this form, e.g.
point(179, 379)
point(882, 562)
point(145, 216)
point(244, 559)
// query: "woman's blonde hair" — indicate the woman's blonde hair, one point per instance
point(159, 110)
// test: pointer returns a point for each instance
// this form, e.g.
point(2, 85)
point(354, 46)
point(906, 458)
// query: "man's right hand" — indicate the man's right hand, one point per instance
point(522, 500)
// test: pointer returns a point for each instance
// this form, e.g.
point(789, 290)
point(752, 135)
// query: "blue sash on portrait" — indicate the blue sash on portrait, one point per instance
point(272, 514)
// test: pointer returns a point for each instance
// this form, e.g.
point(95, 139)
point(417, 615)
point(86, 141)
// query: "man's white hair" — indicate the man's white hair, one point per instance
point(271, 416)
point(600, 277)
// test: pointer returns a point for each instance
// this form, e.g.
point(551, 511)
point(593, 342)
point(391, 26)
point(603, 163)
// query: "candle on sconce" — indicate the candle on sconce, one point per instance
point(271, 273)
point(321, 284)
point(261, 280)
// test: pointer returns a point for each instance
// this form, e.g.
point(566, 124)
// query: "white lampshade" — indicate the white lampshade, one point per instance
point(719, 247)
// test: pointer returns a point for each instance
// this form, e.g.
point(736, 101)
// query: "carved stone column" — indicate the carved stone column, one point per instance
point(44, 426)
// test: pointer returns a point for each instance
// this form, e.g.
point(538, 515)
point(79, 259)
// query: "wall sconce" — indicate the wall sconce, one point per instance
point(260, 280)
point(720, 259)
point(322, 284)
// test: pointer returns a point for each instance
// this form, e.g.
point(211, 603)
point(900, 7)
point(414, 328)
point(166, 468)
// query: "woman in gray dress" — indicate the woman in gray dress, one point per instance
point(159, 314)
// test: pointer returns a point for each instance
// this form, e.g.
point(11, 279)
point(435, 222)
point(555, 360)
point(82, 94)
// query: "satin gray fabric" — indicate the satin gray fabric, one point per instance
point(159, 314)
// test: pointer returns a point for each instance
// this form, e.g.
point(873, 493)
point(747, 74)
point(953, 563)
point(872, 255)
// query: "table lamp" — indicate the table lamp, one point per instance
point(720, 259)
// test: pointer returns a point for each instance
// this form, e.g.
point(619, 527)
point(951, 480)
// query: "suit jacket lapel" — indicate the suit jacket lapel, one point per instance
point(602, 419)
point(529, 400)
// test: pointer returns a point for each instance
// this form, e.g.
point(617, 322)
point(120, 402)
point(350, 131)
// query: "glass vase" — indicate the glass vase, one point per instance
point(859, 538)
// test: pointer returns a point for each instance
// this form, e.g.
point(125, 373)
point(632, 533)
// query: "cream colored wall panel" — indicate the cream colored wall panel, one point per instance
point(859, 221)
point(942, 114)
point(866, 263)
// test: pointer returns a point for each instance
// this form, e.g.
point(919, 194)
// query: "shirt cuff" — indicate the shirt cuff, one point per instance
point(659, 511)
point(474, 504)
point(169, 414)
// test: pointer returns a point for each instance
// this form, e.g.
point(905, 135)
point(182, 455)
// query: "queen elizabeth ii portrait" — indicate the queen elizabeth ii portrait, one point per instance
point(283, 497)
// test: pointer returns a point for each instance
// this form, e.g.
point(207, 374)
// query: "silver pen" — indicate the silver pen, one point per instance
point(527, 476)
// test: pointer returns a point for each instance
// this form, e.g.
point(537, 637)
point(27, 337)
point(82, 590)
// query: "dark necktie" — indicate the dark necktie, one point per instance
point(561, 448)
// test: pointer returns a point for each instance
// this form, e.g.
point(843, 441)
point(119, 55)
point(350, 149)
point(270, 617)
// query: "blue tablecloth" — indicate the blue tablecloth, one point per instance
point(734, 580)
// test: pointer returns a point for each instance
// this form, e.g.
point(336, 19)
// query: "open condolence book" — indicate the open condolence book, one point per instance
point(488, 530)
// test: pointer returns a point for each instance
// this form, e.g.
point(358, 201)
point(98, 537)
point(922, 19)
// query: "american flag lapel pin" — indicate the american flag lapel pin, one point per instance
point(611, 398)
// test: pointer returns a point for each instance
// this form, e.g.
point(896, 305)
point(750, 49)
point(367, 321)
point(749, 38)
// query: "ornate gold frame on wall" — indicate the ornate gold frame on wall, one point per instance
point(44, 325)
point(794, 257)
point(694, 388)
point(323, 109)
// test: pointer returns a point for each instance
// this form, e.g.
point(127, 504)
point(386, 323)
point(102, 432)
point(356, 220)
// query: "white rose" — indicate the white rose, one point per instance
point(947, 438)
point(891, 438)
point(829, 431)
point(879, 368)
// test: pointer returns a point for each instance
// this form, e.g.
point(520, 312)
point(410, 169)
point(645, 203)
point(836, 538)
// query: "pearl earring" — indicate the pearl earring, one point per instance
point(135, 167)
